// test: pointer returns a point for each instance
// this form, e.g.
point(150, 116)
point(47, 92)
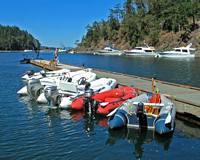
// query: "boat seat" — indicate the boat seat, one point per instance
point(68, 87)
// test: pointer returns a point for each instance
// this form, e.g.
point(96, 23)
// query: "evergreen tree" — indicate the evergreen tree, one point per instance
point(12, 38)
point(144, 19)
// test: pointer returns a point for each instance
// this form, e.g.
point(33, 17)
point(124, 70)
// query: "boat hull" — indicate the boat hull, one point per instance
point(170, 55)
point(140, 54)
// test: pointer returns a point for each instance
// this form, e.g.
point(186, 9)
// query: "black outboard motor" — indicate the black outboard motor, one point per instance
point(87, 86)
point(89, 107)
point(52, 95)
point(34, 88)
point(140, 114)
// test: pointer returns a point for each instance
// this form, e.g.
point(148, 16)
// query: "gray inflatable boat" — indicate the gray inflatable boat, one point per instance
point(152, 111)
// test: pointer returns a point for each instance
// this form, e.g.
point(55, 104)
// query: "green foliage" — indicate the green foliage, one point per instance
point(12, 38)
point(140, 19)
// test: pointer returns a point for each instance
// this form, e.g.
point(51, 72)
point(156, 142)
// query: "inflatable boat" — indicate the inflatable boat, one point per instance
point(70, 85)
point(29, 75)
point(97, 86)
point(38, 75)
point(151, 111)
point(106, 101)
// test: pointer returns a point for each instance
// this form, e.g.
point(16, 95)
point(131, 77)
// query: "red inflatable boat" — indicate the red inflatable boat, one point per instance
point(108, 100)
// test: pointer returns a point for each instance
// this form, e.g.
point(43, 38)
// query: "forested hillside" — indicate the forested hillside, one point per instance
point(12, 38)
point(160, 23)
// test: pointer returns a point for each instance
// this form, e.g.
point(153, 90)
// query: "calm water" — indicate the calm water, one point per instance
point(30, 131)
point(184, 71)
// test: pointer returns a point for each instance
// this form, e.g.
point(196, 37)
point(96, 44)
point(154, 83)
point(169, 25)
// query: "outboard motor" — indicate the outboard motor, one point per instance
point(52, 95)
point(140, 114)
point(87, 86)
point(34, 88)
point(89, 107)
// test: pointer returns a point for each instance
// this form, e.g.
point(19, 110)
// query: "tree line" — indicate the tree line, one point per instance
point(12, 38)
point(140, 20)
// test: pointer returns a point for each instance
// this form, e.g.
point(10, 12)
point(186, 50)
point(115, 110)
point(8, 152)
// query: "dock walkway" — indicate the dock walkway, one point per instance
point(186, 98)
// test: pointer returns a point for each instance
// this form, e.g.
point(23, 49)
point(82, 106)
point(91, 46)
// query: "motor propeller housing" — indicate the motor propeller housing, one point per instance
point(34, 88)
point(90, 108)
point(52, 95)
point(140, 114)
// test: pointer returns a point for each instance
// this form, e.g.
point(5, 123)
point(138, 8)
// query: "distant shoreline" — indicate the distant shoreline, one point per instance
point(15, 51)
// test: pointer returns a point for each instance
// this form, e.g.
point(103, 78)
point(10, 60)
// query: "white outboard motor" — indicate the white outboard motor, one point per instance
point(34, 88)
point(52, 95)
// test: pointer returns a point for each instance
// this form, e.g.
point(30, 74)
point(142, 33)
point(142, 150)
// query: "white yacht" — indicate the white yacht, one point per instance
point(181, 52)
point(141, 51)
point(28, 50)
point(109, 51)
point(60, 50)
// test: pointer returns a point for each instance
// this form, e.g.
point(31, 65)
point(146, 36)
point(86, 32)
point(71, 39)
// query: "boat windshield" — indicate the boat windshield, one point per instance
point(138, 48)
point(185, 50)
point(177, 50)
point(148, 50)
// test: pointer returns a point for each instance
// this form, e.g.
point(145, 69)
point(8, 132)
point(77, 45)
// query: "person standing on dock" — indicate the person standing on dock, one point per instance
point(56, 57)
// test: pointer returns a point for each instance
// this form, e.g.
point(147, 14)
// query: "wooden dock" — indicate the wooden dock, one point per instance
point(186, 98)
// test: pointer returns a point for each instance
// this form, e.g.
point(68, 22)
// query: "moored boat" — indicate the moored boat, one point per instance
point(181, 52)
point(38, 75)
point(109, 51)
point(141, 51)
point(106, 101)
point(151, 111)
point(42, 75)
point(97, 86)
point(69, 83)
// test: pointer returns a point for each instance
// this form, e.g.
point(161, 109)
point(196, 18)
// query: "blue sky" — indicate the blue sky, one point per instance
point(55, 22)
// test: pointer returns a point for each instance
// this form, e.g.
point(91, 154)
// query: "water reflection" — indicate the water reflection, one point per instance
point(185, 128)
point(139, 138)
point(90, 121)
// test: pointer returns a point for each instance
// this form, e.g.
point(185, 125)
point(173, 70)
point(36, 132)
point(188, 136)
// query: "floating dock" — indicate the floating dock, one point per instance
point(186, 98)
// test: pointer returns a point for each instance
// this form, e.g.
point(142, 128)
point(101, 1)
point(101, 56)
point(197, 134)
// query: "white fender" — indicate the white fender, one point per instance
point(42, 98)
point(65, 102)
point(23, 91)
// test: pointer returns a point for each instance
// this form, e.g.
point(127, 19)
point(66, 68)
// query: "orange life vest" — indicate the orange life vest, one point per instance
point(154, 99)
